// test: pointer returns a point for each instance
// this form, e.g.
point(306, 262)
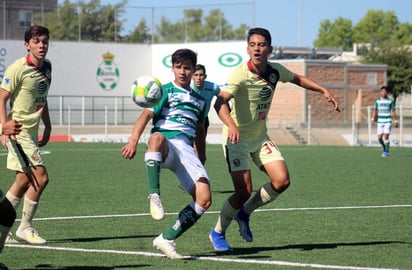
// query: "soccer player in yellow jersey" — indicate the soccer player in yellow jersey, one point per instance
point(26, 83)
point(250, 91)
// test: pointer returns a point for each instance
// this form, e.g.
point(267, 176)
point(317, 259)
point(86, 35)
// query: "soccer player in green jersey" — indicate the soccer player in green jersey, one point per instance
point(250, 91)
point(178, 124)
point(383, 113)
point(206, 89)
point(7, 212)
point(25, 84)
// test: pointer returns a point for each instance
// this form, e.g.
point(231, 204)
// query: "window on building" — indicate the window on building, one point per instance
point(25, 18)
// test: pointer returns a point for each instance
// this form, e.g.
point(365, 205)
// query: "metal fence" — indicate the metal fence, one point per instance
point(92, 110)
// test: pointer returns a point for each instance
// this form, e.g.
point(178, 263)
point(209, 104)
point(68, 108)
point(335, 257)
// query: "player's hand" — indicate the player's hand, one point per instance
point(128, 151)
point(233, 135)
point(332, 100)
point(4, 140)
point(11, 127)
point(396, 124)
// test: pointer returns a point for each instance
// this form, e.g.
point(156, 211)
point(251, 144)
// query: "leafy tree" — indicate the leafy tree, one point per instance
point(399, 61)
point(376, 27)
point(140, 33)
point(335, 34)
point(89, 21)
point(385, 41)
point(195, 28)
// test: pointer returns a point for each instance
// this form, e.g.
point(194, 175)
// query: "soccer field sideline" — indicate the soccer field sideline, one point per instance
point(217, 258)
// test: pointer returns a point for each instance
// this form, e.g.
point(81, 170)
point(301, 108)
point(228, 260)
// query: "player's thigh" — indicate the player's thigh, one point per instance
point(23, 152)
point(387, 128)
point(182, 159)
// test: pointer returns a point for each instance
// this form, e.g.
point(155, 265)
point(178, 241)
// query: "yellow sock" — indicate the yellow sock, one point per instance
point(29, 209)
point(226, 216)
point(14, 200)
point(264, 195)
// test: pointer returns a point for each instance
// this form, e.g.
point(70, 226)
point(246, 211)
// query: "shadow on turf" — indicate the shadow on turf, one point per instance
point(302, 247)
point(97, 239)
point(48, 266)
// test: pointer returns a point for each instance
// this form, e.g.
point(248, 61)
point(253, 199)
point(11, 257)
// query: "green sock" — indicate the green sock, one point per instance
point(152, 161)
point(386, 147)
point(186, 219)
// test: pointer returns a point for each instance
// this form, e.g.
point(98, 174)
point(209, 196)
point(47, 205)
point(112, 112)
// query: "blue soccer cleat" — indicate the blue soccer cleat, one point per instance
point(219, 241)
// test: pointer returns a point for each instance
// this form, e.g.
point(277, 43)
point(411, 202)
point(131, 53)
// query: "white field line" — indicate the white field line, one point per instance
point(217, 212)
point(216, 259)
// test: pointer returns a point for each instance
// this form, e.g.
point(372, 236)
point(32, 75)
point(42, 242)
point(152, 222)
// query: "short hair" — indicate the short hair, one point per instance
point(35, 31)
point(184, 55)
point(260, 31)
point(200, 67)
point(385, 88)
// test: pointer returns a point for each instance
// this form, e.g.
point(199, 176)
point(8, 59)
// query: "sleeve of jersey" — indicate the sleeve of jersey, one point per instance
point(216, 89)
point(285, 74)
point(233, 82)
point(10, 79)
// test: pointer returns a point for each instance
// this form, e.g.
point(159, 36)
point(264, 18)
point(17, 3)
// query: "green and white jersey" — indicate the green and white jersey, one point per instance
point(28, 87)
point(252, 97)
point(384, 107)
point(179, 112)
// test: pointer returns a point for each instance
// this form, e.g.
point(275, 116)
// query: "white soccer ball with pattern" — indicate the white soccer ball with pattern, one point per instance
point(147, 91)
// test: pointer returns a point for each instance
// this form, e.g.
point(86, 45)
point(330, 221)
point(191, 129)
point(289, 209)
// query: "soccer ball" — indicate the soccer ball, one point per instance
point(147, 91)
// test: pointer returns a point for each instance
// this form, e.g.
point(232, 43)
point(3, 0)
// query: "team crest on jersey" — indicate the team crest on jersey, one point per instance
point(273, 78)
point(236, 162)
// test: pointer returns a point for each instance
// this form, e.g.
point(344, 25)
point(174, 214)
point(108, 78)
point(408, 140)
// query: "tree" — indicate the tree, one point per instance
point(140, 34)
point(88, 21)
point(335, 34)
point(195, 28)
point(383, 40)
point(399, 61)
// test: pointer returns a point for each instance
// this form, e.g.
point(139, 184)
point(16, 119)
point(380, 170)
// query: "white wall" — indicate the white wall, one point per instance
point(75, 64)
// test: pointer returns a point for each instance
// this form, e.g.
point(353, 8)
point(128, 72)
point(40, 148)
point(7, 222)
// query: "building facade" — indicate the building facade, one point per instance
point(17, 15)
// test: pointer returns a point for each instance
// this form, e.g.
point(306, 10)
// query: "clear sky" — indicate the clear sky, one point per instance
point(291, 22)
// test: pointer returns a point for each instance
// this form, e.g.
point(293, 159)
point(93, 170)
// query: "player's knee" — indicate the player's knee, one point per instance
point(156, 140)
point(281, 185)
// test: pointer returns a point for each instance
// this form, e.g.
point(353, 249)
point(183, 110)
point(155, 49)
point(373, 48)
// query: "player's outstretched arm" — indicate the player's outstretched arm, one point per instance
point(307, 83)
point(129, 150)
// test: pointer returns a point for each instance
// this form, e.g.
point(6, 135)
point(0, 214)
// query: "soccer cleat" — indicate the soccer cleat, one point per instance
point(30, 235)
point(3, 267)
point(243, 220)
point(156, 207)
point(168, 247)
point(385, 154)
point(219, 241)
point(10, 239)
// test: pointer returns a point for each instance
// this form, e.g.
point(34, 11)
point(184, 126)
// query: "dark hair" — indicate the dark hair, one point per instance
point(260, 31)
point(184, 55)
point(385, 88)
point(200, 67)
point(35, 31)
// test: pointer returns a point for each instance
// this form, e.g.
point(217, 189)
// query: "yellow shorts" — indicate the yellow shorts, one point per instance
point(23, 152)
point(240, 156)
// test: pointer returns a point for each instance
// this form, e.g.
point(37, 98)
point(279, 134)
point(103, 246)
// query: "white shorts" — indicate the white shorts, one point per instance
point(383, 128)
point(183, 160)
